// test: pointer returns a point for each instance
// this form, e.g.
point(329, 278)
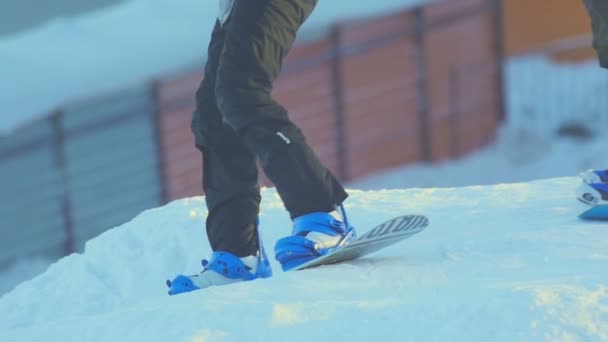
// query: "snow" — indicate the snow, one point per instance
point(503, 262)
point(118, 46)
point(542, 94)
point(20, 271)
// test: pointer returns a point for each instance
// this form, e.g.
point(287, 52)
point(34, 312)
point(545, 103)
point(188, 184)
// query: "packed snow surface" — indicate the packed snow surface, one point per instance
point(497, 263)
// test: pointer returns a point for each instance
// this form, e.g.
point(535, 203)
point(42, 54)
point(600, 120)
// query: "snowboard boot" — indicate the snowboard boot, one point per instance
point(593, 191)
point(223, 268)
point(313, 235)
point(593, 194)
point(594, 176)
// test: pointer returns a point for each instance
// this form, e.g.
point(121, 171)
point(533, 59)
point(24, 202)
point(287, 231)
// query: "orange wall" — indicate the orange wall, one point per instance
point(533, 24)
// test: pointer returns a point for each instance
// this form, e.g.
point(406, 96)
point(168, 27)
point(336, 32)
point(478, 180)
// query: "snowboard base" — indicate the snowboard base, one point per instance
point(599, 212)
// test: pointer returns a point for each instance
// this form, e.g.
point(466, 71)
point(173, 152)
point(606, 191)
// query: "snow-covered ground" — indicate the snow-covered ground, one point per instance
point(126, 44)
point(497, 263)
point(20, 271)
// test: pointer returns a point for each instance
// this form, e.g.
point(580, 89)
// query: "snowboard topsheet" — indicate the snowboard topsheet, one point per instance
point(384, 235)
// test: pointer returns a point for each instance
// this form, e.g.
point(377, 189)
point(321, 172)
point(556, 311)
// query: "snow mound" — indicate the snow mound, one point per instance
point(501, 263)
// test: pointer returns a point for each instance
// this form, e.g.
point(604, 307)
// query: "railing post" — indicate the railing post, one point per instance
point(338, 93)
point(423, 109)
point(61, 163)
point(497, 19)
point(155, 116)
point(454, 95)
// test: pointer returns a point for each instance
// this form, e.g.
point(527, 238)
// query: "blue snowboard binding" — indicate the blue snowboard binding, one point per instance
point(313, 235)
point(594, 192)
point(594, 176)
point(223, 268)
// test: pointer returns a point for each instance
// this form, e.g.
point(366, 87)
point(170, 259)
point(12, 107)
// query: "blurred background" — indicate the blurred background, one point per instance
point(97, 98)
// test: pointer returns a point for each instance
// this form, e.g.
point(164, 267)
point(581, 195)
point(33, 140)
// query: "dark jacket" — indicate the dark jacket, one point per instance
point(598, 10)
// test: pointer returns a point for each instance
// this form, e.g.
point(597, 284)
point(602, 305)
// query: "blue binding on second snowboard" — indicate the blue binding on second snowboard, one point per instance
point(597, 213)
point(384, 235)
point(593, 191)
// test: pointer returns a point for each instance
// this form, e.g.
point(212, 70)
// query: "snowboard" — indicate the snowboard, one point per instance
point(598, 212)
point(589, 195)
point(384, 235)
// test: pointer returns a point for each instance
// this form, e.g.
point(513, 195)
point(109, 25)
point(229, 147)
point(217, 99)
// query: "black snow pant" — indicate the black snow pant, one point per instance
point(237, 121)
point(598, 10)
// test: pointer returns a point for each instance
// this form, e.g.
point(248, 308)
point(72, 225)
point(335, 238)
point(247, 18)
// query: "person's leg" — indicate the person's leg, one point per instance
point(256, 37)
point(230, 178)
point(259, 34)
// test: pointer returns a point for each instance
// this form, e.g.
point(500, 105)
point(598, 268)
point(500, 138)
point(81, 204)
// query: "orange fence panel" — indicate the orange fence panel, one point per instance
point(461, 58)
point(380, 94)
